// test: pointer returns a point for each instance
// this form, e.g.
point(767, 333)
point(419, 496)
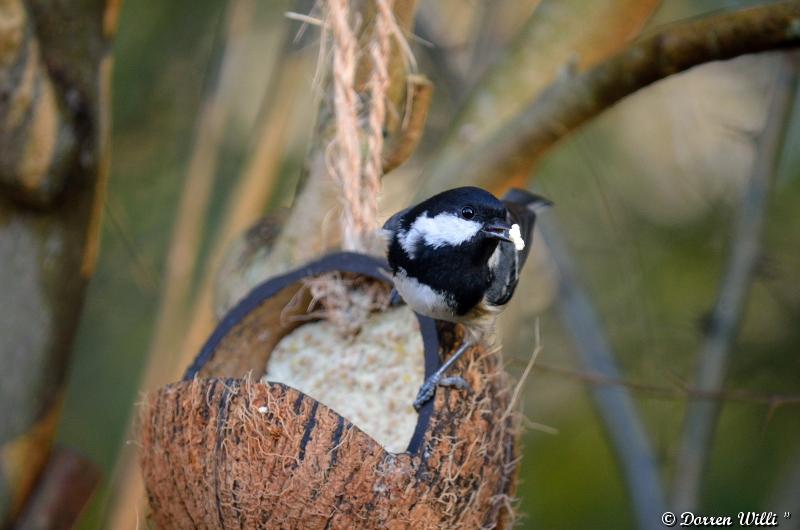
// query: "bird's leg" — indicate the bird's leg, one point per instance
point(428, 388)
point(395, 299)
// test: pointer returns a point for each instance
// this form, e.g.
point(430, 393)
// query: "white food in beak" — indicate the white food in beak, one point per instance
point(516, 237)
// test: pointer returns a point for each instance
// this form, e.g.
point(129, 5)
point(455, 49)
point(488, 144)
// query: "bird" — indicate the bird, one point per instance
point(457, 257)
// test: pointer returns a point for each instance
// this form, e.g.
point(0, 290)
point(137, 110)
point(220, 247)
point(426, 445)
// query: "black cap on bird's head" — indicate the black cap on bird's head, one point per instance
point(453, 200)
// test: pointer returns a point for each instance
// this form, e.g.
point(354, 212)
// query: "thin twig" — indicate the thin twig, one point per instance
point(614, 404)
point(524, 377)
point(701, 416)
point(512, 150)
point(672, 392)
point(305, 19)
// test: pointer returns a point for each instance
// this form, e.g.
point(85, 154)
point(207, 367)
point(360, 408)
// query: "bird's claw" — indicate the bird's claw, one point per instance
point(428, 388)
point(426, 391)
point(456, 381)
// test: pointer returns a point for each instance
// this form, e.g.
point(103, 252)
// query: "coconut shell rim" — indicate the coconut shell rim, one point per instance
point(351, 262)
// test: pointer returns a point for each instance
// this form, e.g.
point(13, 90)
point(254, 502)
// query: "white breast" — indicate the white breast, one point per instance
point(421, 298)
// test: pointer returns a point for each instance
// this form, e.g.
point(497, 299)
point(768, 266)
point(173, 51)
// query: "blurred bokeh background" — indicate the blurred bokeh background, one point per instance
point(646, 195)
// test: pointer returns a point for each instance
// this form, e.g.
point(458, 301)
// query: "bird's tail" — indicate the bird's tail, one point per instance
point(531, 201)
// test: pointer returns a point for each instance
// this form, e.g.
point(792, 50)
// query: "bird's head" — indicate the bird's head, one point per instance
point(470, 218)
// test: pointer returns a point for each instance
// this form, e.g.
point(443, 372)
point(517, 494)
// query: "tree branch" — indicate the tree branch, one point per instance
point(63, 491)
point(37, 138)
point(555, 35)
point(613, 403)
point(701, 416)
point(508, 156)
point(47, 253)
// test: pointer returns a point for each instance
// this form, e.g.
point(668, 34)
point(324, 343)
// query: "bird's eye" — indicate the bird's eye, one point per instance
point(467, 212)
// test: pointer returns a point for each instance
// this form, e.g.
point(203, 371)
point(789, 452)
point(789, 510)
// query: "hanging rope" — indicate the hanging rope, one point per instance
point(378, 87)
point(345, 149)
point(355, 153)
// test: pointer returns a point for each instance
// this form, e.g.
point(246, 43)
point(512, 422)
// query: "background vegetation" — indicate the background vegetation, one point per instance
point(646, 196)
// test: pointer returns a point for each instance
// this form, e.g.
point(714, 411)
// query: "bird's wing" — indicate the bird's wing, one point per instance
point(507, 262)
point(522, 207)
point(505, 274)
point(392, 224)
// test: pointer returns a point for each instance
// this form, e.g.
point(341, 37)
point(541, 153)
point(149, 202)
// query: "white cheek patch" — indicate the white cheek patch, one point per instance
point(438, 231)
point(516, 237)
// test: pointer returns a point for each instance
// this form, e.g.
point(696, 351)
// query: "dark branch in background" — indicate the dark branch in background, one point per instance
point(786, 496)
point(445, 73)
point(613, 403)
point(772, 401)
point(701, 416)
point(615, 406)
point(63, 491)
point(574, 99)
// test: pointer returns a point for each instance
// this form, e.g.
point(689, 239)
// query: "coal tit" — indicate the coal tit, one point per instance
point(457, 257)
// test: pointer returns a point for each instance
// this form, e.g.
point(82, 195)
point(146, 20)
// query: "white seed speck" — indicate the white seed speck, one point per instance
point(516, 237)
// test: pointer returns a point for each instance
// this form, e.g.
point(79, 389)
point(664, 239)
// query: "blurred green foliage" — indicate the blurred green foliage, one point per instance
point(162, 54)
point(653, 280)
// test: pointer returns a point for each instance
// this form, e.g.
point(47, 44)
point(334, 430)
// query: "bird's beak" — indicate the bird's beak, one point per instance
point(497, 231)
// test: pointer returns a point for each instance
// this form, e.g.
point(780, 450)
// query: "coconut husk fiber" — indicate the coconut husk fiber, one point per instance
point(222, 450)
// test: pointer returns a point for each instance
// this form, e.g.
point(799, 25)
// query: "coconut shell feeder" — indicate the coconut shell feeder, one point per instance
point(220, 449)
